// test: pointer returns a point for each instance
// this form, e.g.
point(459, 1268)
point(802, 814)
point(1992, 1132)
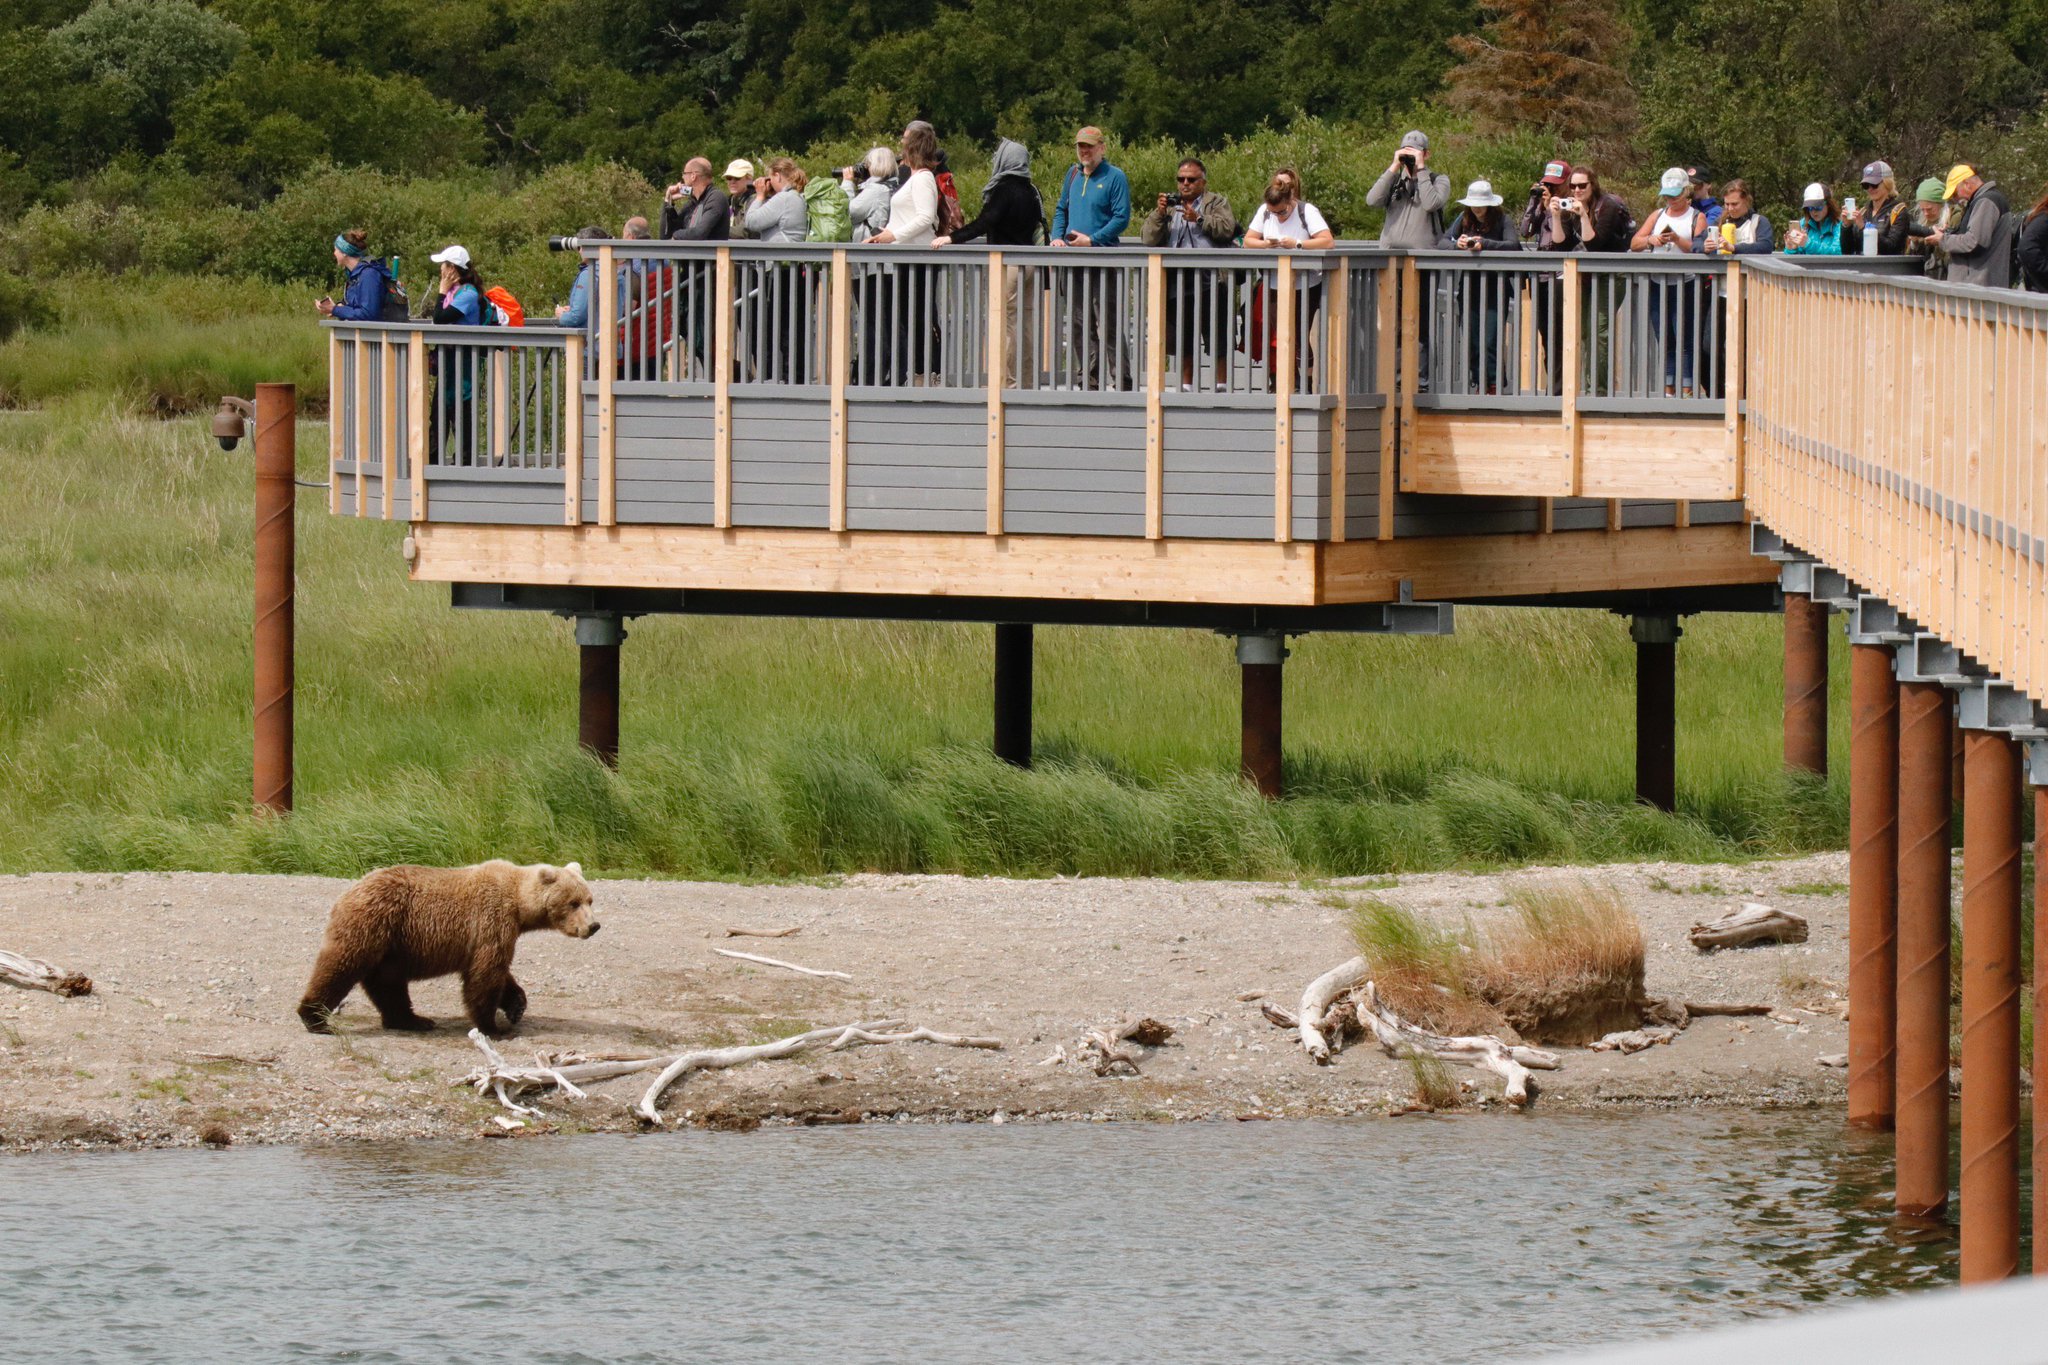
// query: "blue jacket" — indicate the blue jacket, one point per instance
point(1822, 239)
point(1098, 205)
point(463, 307)
point(579, 300)
point(364, 299)
point(1764, 243)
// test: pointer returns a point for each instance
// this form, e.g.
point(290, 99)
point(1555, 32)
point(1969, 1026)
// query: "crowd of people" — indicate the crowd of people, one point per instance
point(1962, 224)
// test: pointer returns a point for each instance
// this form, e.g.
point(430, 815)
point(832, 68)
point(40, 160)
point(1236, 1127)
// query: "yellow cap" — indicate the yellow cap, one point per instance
point(1956, 176)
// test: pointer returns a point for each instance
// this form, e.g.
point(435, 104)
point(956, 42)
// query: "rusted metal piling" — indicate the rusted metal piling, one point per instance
point(276, 549)
point(1806, 684)
point(1923, 949)
point(1991, 1008)
point(1656, 640)
point(598, 639)
point(1013, 693)
point(1259, 656)
point(2040, 1052)
point(1873, 885)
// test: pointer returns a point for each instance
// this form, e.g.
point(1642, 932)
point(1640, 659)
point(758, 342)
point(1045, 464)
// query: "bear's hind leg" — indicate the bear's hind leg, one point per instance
point(391, 993)
point(512, 1000)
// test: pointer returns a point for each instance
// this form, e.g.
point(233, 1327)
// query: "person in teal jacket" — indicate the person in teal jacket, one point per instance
point(1819, 229)
point(1095, 200)
point(1094, 210)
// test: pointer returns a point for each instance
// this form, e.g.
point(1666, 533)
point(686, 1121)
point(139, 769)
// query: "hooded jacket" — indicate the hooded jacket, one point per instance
point(363, 300)
point(1414, 205)
point(1980, 246)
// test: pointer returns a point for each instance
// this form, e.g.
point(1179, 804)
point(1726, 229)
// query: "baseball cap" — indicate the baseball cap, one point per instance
point(1699, 174)
point(1415, 138)
point(457, 256)
point(1674, 182)
point(1929, 191)
point(1556, 172)
point(1090, 136)
point(1956, 176)
point(1876, 173)
point(740, 169)
point(1480, 195)
point(1816, 196)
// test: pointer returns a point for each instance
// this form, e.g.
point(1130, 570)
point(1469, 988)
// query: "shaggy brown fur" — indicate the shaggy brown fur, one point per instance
point(404, 924)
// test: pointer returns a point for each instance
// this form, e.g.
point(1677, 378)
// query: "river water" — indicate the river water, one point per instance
point(1418, 1239)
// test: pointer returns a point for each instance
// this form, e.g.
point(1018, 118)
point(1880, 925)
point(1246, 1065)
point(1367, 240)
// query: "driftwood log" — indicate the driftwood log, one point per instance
point(33, 974)
point(778, 962)
point(1398, 1038)
point(1103, 1042)
point(1751, 924)
point(1316, 1001)
point(731, 932)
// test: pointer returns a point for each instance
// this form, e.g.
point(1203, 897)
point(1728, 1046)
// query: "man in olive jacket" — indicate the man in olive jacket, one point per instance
point(1193, 218)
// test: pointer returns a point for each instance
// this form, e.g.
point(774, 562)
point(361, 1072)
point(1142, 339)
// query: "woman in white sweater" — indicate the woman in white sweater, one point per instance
point(913, 221)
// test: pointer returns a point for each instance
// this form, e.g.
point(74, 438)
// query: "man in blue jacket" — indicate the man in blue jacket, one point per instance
point(1094, 210)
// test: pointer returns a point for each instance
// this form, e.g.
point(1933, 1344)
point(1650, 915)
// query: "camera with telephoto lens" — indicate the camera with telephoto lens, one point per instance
point(563, 243)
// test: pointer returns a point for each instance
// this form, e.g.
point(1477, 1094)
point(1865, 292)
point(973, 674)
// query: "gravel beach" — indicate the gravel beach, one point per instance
point(190, 1034)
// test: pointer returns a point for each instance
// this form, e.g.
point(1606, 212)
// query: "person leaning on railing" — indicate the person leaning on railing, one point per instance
point(1288, 222)
point(1887, 214)
point(1676, 305)
point(1538, 228)
point(777, 213)
point(1742, 230)
point(1588, 218)
point(739, 195)
point(1979, 246)
point(458, 302)
point(1193, 218)
point(1931, 213)
point(2034, 247)
point(576, 312)
point(1482, 226)
point(867, 202)
point(1819, 229)
point(694, 209)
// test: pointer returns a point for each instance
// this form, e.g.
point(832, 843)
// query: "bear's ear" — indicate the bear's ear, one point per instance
point(576, 868)
point(547, 875)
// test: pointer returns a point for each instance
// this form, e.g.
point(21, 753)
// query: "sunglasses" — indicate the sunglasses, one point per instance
point(1187, 179)
point(1582, 184)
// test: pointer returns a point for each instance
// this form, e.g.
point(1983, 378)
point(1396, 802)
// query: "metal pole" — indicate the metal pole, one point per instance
point(1259, 658)
point(2040, 1051)
point(1806, 685)
point(597, 711)
point(276, 547)
point(1925, 809)
point(1873, 885)
point(1013, 693)
point(1656, 640)
point(1991, 1008)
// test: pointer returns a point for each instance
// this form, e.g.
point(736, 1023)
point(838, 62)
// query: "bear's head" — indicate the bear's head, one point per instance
point(559, 898)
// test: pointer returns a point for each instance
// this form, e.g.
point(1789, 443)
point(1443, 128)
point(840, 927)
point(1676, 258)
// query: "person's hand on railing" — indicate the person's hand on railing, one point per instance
point(1076, 239)
point(942, 241)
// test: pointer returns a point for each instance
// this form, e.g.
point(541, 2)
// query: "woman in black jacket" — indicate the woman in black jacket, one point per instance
point(1011, 215)
point(2034, 247)
point(1473, 301)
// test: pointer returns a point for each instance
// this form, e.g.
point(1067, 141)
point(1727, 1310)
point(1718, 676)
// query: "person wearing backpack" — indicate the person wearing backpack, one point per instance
point(459, 302)
point(1980, 245)
point(370, 285)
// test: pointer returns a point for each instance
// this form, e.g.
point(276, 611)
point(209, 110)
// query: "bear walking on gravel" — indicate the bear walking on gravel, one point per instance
point(404, 924)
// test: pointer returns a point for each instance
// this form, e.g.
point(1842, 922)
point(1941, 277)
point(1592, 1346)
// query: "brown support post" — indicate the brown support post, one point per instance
point(276, 547)
point(1656, 640)
point(1259, 657)
point(597, 699)
point(2040, 1052)
point(1806, 685)
point(1924, 814)
point(1991, 1008)
point(1013, 693)
point(1873, 885)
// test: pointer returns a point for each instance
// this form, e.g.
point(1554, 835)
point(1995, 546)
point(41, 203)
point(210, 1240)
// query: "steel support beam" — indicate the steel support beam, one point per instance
point(276, 548)
point(1991, 1008)
point(1925, 808)
point(597, 699)
point(1259, 657)
point(1656, 640)
point(2040, 1015)
point(1806, 685)
point(1873, 885)
point(1013, 693)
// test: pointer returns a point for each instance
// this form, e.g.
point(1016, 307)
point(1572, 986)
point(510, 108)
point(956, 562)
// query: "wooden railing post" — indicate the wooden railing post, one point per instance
point(501, 399)
point(572, 431)
point(1568, 369)
point(1411, 362)
point(607, 357)
point(1389, 342)
point(416, 419)
point(365, 415)
point(1283, 391)
point(840, 353)
point(389, 348)
point(721, 397)
point(998, 368)
point(1337, 381)
point(1155, 387)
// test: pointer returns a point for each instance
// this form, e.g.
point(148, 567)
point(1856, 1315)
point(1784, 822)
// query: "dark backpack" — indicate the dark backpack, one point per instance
point(395, 307)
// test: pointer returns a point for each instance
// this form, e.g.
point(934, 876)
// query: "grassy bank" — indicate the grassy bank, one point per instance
point(778, 748)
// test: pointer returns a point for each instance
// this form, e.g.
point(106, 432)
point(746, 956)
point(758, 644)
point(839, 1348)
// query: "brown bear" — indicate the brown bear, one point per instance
point(404, 924)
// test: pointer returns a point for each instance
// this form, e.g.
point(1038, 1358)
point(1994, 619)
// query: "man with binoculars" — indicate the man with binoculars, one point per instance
point(1412, 195)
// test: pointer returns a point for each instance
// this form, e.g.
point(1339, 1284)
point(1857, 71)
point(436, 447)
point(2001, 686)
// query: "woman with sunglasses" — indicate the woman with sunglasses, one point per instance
point(1588, 218)
point(1819, 229)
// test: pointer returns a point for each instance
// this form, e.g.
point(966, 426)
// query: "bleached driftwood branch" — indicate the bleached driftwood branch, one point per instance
point(778, 962)
point(33, 974)
point(844, 1036)
point(1144, 1031)
point(731, 932)
point(1751, 924)
point(1398, 1038)
point(1316, 1001)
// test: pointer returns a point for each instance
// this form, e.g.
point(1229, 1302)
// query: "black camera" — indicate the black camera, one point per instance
point(564, 243)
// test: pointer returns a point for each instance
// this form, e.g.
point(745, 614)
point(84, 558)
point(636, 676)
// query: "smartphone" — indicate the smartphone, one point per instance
point(1848, 203)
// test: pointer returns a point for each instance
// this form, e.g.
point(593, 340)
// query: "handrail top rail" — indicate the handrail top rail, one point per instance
point(1641, 262)
point(2010, 297)
point(926, 254)
point(547, 333)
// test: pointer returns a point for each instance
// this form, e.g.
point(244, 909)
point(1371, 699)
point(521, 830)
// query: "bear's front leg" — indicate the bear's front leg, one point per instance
point(483, 988)
point(513, 1002)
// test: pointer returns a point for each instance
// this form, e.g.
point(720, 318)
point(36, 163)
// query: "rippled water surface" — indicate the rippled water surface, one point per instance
point(1413, 1239)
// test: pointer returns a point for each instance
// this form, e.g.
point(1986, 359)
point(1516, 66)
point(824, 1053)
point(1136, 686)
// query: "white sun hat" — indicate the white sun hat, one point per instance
point(457, 256)
point(1479, 195)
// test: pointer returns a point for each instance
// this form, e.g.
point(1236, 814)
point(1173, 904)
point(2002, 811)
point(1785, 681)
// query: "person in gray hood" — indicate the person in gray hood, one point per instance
point(1413, 196)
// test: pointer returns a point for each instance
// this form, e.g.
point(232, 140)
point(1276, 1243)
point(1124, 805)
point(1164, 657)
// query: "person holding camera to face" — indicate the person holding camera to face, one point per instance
point(1193, 218)
point(867, 188)
point(1413, 196)
point(695, 209)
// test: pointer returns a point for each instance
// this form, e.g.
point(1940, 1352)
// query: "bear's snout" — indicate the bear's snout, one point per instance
point(591, 932)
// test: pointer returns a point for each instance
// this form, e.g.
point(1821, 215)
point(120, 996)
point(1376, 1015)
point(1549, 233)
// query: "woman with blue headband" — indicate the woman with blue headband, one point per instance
point(369, 283)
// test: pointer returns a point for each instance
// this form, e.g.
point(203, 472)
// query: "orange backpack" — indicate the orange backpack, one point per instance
point(505, 308)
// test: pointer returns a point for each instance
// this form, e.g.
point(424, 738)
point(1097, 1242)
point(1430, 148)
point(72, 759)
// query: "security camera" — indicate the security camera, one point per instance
point(230, 422)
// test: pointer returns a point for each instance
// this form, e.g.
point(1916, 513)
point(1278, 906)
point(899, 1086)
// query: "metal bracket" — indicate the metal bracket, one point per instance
point(1930, 659)
point(1997, 705)
point(1809, 578)
point(1420, 618)
point(600, 628)
point(1654, 630)
point(2037, 763)
point(1261, 647)
point(1874, 621)
point(1768, 544)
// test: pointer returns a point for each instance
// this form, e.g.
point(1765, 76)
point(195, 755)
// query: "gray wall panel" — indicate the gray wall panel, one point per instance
point(898, 519)
point(1057, 523)
point(1646, 513)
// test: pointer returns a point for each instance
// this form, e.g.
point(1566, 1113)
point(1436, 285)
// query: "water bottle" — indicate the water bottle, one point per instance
point(1869, 236)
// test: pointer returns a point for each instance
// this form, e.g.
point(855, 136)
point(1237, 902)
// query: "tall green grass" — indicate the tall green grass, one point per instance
point(757, 748)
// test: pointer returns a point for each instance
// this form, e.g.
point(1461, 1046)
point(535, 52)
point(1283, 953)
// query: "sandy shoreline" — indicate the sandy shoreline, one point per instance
point(191, 1022)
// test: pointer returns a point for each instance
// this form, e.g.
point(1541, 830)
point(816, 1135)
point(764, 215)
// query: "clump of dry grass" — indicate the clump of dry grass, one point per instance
point(1433, 1086)
point(1565, 968)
